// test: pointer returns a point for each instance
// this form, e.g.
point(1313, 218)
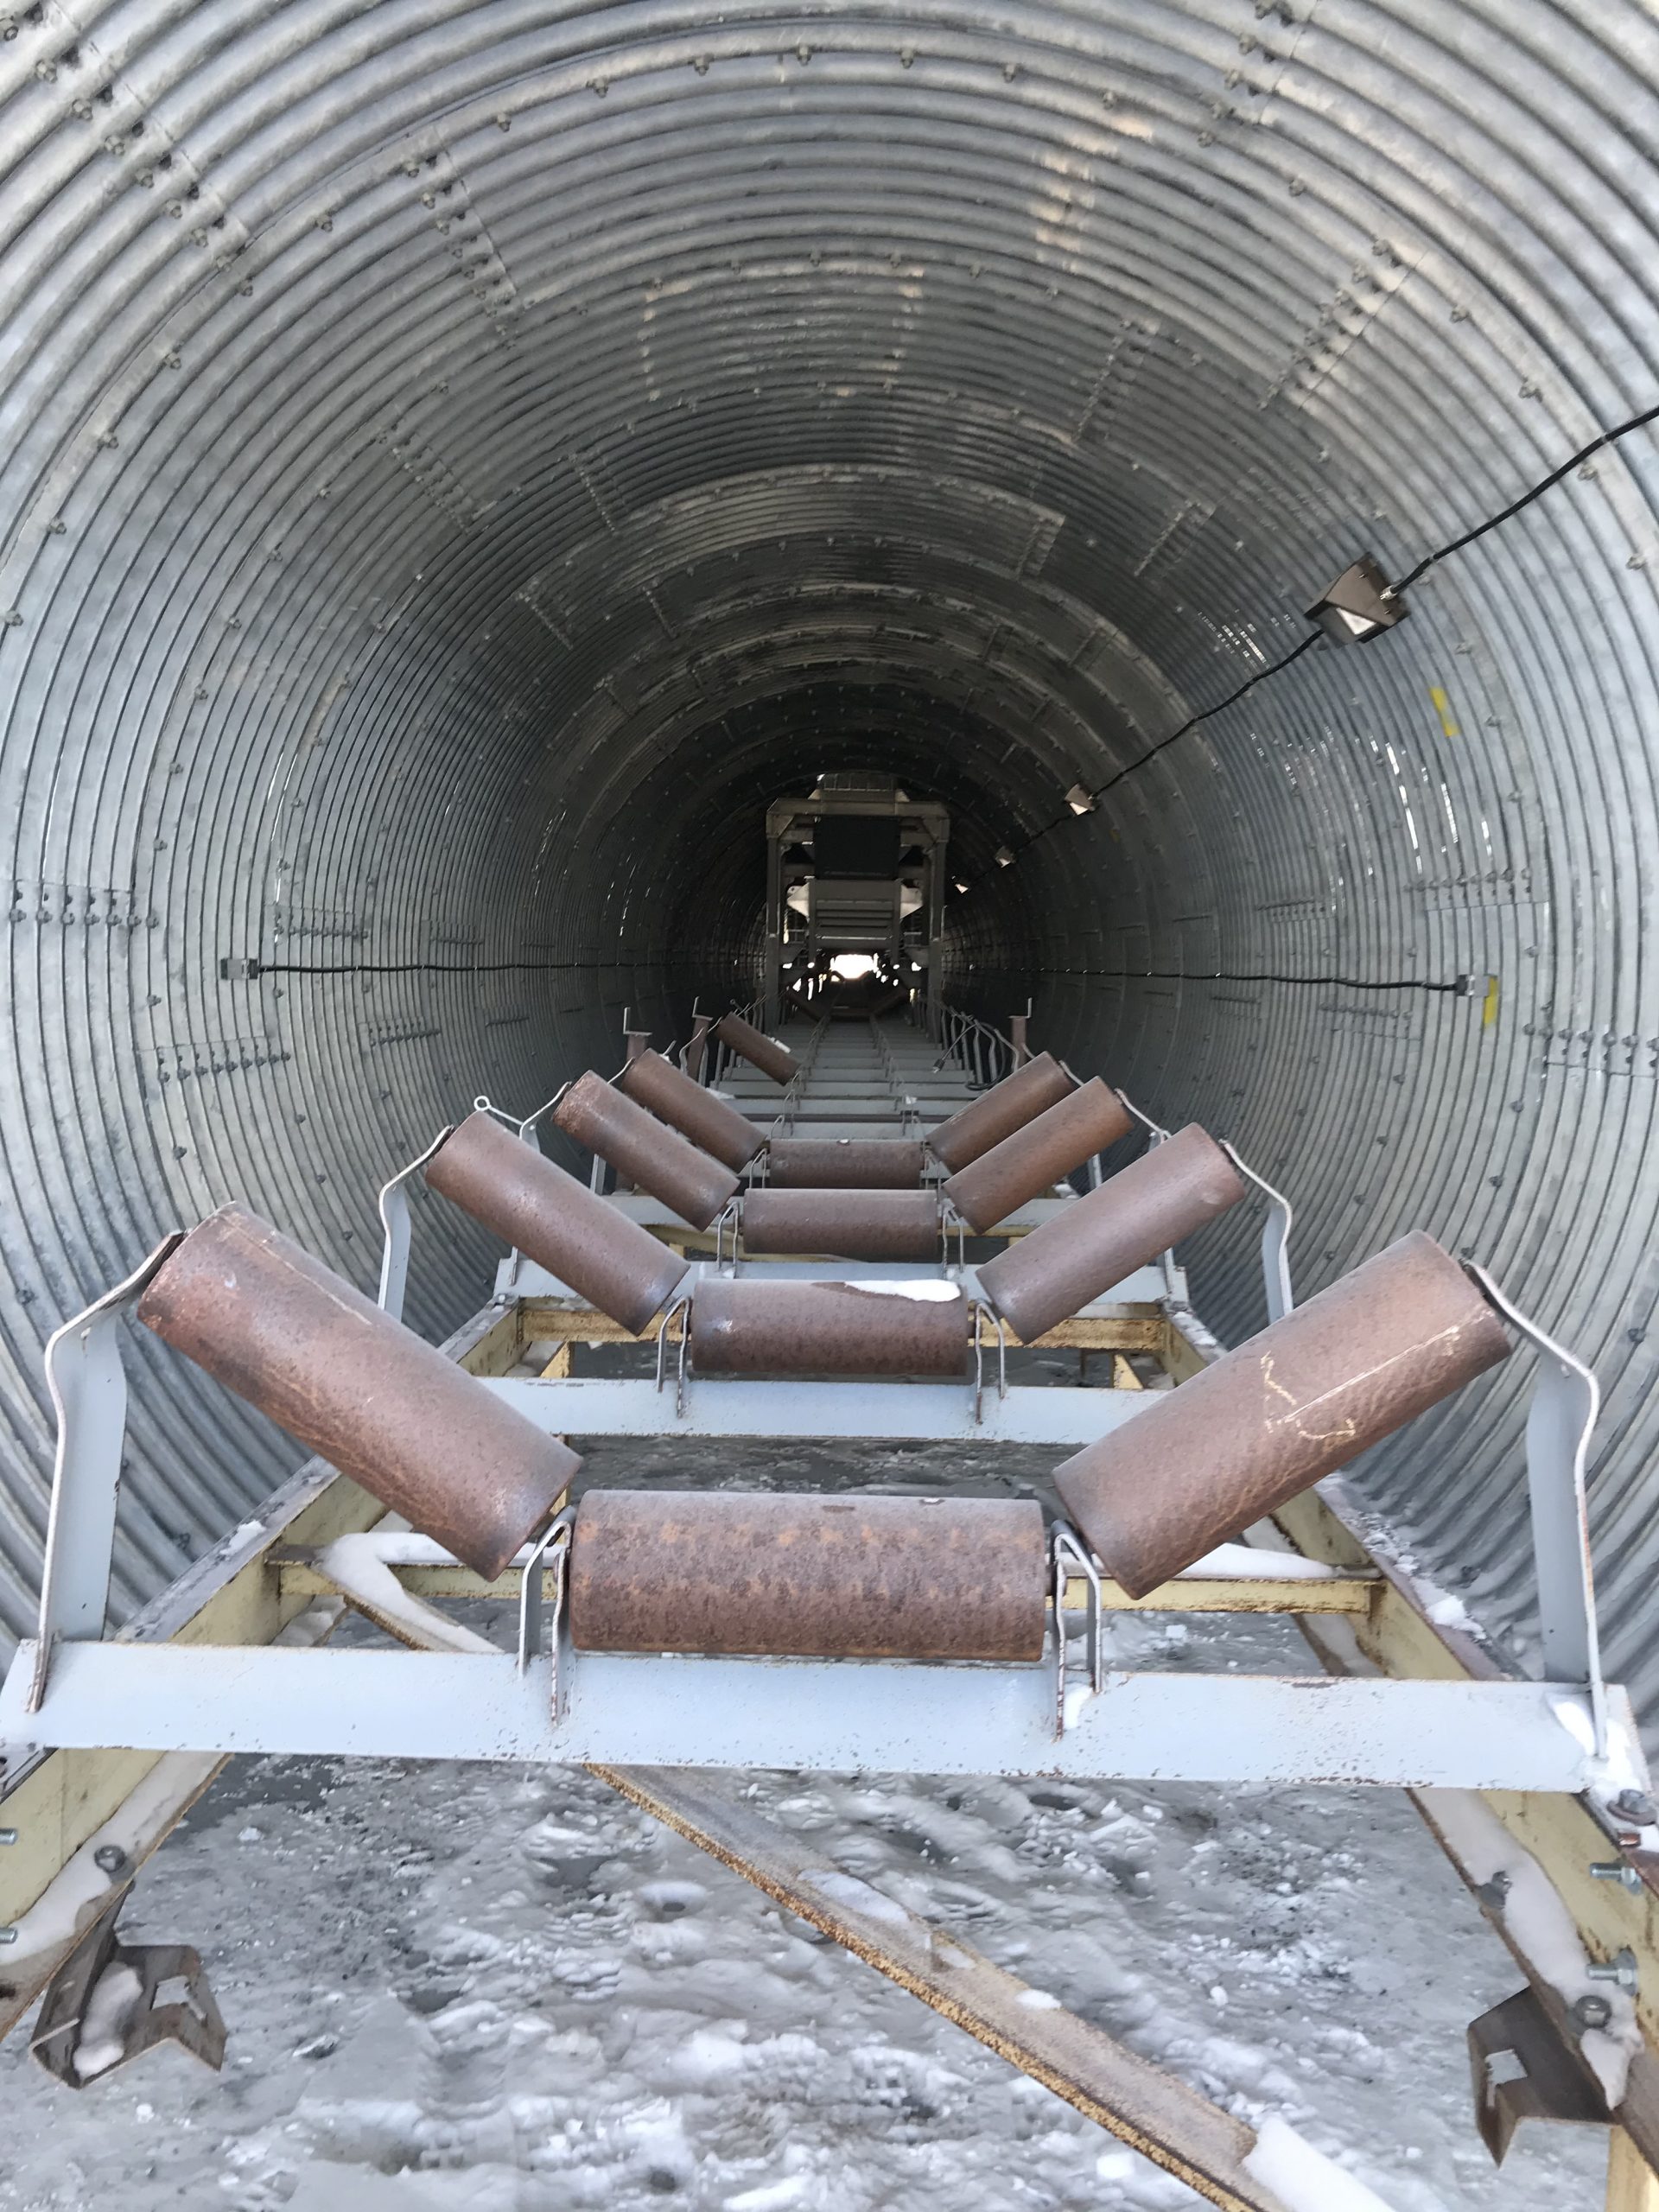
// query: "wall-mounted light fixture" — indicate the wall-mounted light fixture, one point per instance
point(1080, 801)
point(960, 882)
point(1359, 606)
point(1004, 857)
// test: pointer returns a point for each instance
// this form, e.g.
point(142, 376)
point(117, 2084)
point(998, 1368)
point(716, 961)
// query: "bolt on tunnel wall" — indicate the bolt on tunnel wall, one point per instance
point(459, 464)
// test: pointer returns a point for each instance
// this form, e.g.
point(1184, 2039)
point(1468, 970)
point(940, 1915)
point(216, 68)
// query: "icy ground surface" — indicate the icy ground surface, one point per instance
point(506, 1990)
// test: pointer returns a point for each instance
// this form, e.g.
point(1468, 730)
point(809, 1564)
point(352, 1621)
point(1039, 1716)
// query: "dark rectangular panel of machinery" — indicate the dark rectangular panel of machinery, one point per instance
point(854, 844)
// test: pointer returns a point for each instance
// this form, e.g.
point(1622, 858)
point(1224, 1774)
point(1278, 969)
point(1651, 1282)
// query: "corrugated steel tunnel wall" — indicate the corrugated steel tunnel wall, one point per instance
point(459, 461)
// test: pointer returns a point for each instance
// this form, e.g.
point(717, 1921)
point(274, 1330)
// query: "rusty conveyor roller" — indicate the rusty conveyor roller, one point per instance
point(644, 1150)
point(1041, 1280)
point(358, 1389)
point(845, 1225)
point(748, 1327)
point(1303, 1398)
point(763, 1052)
point(1008, 1106)
point(556, 1221)
point(1028, 1163)
point(709, 1122)
point(844, 1164)
point(717, 1571)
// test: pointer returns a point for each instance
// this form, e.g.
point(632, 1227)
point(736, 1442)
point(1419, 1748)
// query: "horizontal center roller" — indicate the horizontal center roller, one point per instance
point(717, 1571)
point(844, 1163)
point(848, 1224)
point(749, 1327)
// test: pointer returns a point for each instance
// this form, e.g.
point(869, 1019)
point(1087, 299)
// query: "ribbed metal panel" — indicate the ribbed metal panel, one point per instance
point(460, 462)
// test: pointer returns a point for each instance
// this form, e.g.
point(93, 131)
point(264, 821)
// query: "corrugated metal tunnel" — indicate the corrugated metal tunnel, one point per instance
point(460, 463)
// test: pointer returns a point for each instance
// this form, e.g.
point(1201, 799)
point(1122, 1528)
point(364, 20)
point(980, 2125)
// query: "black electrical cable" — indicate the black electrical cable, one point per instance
point(1460, 989)
point(1576, 460)
point(1412, 577)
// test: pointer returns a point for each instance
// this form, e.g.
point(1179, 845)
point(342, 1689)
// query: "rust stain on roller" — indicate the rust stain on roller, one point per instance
point(1304, 1397)
point(844, 1164)
point(1024, 1165)
point(827, 1328)
point(562, 1225)
point(644, 1150)
point(745, 1040)
point(1008, 1106)
point(1152, 1203)
point(808, 1577)
point(656, 1084)
point(358, 1389)
point(850, 1224)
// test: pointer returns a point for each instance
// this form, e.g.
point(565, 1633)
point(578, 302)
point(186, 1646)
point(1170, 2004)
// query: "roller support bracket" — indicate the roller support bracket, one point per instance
point(88, 1383)
point(1566, 1399)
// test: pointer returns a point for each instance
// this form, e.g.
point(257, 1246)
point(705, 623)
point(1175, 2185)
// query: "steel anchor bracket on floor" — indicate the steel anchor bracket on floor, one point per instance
point(86, 2009)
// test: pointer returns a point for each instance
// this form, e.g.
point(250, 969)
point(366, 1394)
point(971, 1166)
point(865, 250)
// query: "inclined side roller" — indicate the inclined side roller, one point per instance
point(1307, 1395)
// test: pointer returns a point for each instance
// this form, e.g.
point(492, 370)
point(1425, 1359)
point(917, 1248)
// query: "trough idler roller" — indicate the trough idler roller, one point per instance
point(559, 1223)
point(657, 1085)
point(1306, 1396)
point(364, 1393)
point(763, 1052)
point(847, 1224)
point(1040, 1281)
point(644, 1150)
point(828, 1328)
point(808, 1578)
point(844, 1164)
point(1008, 1106)
point(1028, 1163)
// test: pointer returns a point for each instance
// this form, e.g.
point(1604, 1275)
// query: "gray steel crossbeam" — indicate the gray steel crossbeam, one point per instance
point(815, 1715)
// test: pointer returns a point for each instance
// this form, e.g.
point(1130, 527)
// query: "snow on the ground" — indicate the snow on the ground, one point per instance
point(505, 1989)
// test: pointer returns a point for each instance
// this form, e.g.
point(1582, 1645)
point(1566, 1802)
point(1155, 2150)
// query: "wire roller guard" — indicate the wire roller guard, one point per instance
point(760, 1051)
point(830, 1328)
point(1309, 1393)
point(1140, 1211)
point(717, 1571)
point(559, 1223)
point(844, 1164)
point(1023, 1165)
point(647, 1151)
point(847, 1224)
point(708, 1122)
point(358, 1389)
point(997, 1112)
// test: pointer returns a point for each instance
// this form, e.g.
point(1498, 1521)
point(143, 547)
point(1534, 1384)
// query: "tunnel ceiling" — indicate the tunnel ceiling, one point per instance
point(459, 463)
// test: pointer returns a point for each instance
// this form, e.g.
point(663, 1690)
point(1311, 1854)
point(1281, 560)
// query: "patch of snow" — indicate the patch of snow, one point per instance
point(1302, 2178)
point(1039, 2000)
point(854, 1896)
point(103, 2033)
point(1230, 1560)
point(358, 1565)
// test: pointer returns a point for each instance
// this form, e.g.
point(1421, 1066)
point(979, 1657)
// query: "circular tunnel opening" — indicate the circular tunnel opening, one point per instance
point(462, 466)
